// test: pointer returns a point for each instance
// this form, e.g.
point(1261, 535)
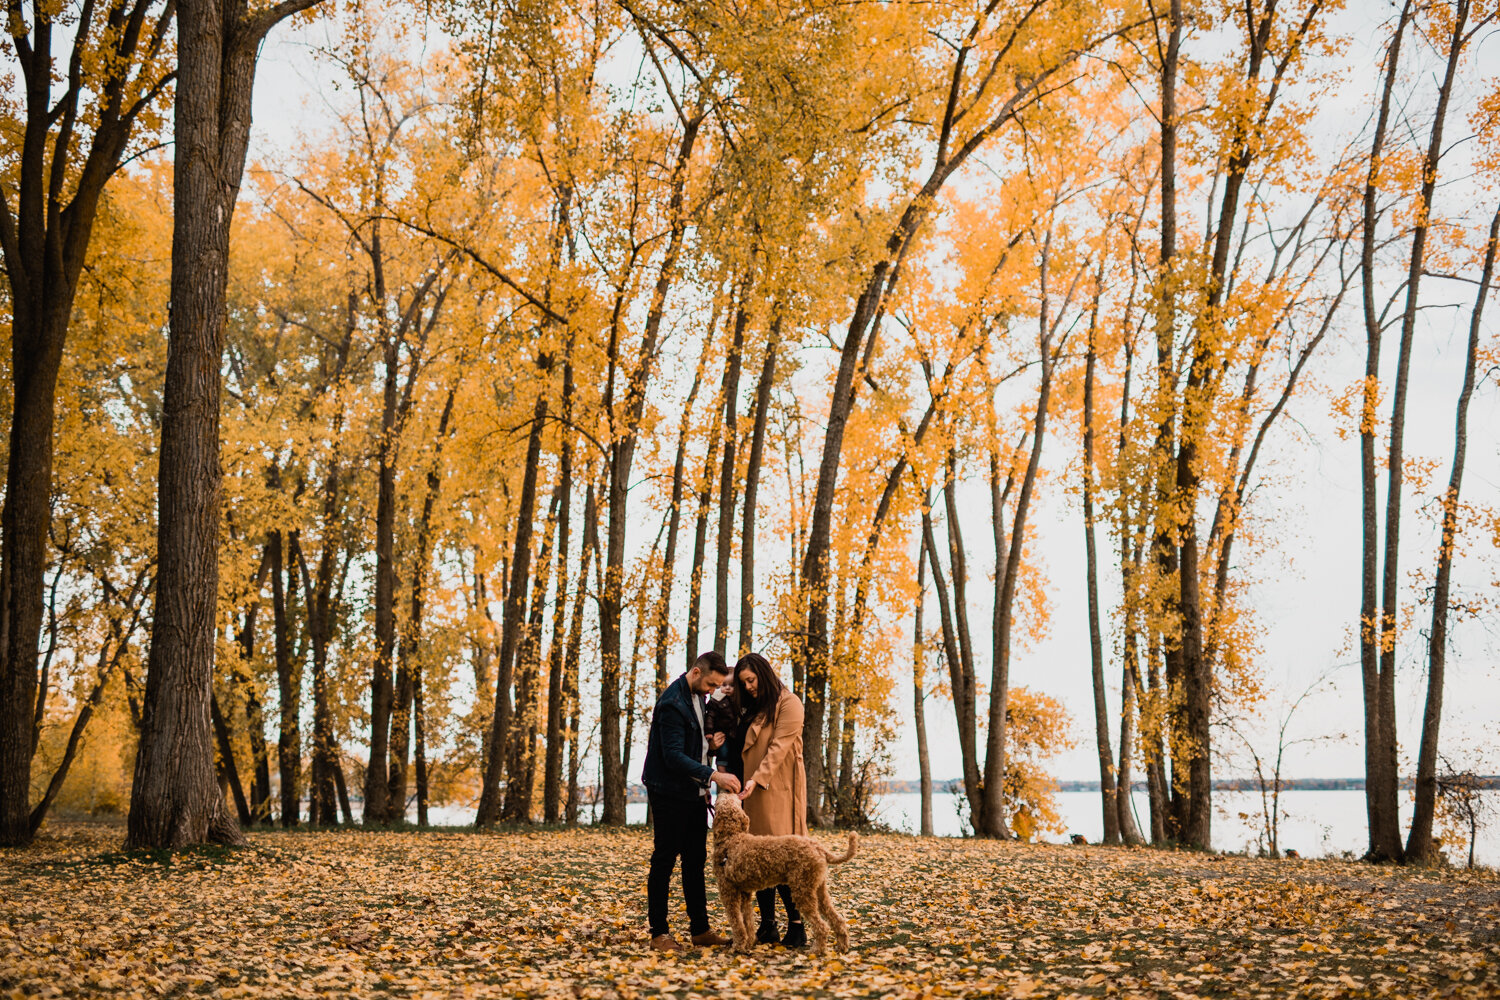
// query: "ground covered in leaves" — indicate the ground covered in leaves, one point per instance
point(562, 913)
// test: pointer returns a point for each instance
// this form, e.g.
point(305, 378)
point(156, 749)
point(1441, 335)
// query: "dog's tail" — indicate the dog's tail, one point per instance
point(834, 859)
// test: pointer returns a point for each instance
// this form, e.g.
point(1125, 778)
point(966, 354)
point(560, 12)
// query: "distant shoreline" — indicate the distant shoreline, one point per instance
point(637, 792)
point(1487, 781)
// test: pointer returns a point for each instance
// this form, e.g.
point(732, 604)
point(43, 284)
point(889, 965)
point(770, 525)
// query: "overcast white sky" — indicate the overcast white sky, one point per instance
point(1309, 599)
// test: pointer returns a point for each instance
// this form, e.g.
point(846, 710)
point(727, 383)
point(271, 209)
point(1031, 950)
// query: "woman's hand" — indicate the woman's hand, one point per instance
point(749, 787)
point(715, 740)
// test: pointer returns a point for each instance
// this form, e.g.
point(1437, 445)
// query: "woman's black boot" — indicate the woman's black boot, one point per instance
point(796, 935)
point(767, 933)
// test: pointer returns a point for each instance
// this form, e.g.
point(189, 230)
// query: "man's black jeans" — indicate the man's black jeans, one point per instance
point(679, 830)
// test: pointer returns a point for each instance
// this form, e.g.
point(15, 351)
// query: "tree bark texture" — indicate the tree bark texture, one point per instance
point(175, 800)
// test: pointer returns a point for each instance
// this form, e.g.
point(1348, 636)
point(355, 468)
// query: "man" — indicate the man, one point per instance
point(677, 778)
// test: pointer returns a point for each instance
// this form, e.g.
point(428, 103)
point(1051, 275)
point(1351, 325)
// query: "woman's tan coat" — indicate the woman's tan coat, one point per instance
point(773, 760)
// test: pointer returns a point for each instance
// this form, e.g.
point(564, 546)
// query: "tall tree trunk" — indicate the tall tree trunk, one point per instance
point(725, 536)
point(958, 564)
point(1096, 643)
point(700, 544)
point(963, 697)
point(419, 715)
point(1419, 844)
point(993, 815)
point(319, 600)
point(1131, 545)
point(520, 789)
point(1124, 813)
point(1164, 543)
point(174, 799)
point(575, 646)
point(1163, 828)
point(621, 461)
point(289, 689)
point(858, 346)
point(1380, 793)
point(752, 487)
point(674, 520)
point(378, 807)
point(919, 691)
point(1390, 583)
point(515, 596)
point(396, 795)
point(552, 783)
point(260, 789)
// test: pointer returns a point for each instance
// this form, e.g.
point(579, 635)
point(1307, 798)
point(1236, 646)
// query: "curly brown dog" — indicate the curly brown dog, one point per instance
point(744, 863)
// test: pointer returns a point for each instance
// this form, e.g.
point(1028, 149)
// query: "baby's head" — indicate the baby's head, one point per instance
point(724, 690)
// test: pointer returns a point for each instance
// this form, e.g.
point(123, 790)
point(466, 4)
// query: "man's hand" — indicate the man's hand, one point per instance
point(726, 781)
point(749, 787)
point(715, 740)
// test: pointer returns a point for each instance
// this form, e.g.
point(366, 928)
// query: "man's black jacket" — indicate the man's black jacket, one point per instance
point(674, 749)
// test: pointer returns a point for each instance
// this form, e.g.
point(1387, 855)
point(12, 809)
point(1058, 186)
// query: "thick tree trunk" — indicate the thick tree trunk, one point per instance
point(1419, 844)
point(489, 800)
point(174, 800)
point(24, 526)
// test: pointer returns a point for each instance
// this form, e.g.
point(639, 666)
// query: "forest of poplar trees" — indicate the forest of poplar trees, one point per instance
point(405, 464)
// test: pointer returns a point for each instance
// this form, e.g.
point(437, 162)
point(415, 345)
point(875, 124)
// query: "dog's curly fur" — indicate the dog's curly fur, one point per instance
point(745, 863)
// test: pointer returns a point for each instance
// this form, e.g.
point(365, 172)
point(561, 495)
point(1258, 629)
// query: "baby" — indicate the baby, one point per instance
point(720, 714)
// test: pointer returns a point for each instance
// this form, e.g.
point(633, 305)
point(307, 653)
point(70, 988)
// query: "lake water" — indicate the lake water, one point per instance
point(1314, 823)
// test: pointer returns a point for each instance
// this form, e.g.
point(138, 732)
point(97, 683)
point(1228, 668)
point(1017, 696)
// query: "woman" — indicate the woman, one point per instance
point(774, 782)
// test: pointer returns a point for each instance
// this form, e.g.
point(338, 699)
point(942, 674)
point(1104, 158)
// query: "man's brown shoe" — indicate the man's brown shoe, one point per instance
point(710, 938)
point(665, 942)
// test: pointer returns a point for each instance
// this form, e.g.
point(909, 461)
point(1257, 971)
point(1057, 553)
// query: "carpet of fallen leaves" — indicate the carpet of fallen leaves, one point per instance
point(562, 913)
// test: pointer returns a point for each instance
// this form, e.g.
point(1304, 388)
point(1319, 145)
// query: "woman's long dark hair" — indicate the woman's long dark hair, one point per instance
point(768, 689)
